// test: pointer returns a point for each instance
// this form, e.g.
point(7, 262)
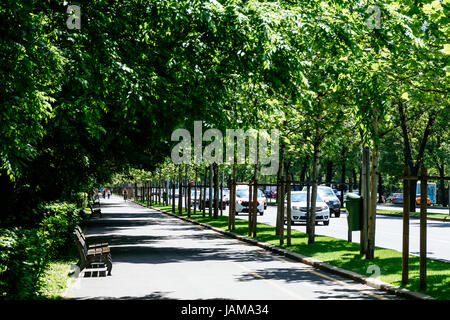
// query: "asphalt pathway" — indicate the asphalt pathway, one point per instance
point(156, 256)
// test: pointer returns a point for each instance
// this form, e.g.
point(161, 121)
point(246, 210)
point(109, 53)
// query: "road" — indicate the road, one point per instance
point(156, 256)
point(388, 232)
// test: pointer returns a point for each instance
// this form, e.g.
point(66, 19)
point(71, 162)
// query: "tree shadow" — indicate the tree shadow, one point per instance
point(157, 295)
point(159, 255)
point(310, 280)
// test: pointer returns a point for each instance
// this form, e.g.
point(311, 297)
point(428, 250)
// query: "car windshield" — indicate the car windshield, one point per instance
point(243, 193)
point(301, 197)
point(326, 192)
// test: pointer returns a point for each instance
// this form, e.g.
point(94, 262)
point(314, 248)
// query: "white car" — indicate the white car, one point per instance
point(226, 196)
point(332, 201)
point(242, 194)
point(298, 208)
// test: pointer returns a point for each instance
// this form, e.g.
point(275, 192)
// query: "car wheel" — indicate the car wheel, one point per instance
point(337, 214)
point(325, 223)
point(261, 213)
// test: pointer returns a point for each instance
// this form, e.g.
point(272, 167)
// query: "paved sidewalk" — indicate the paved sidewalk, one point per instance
point(156, 256)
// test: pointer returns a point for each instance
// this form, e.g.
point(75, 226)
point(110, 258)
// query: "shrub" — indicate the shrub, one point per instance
point(25, 253)
point(58, 223)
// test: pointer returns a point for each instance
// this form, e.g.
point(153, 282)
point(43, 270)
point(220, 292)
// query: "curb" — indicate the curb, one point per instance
point(374, 283)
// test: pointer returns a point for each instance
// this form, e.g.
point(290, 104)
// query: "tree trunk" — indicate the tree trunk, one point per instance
point(414, 166)
point(180, 193)
point(303, 172)
point(173, 196)
point(442, 185)
point(380, 188)
point(216, 190)
point(281, 205)
point(233, 200)
point(204, 192)
point(343, 171)
point(279, 221)
point(288, 212)
point(315, 173)
point(195, 191)
point(186, 181)
point(329, 176)
point(210, 193)
point(373, 205)
point(255, 199)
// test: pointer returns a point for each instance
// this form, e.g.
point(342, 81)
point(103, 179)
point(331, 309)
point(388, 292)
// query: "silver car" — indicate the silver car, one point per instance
point(299, 206)
point(242, 195)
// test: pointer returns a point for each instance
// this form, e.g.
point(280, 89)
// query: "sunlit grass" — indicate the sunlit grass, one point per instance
point(429, 214)
point(55, 279)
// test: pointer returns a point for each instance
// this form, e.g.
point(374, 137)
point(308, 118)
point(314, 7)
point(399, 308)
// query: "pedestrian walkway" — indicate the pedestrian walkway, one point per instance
point(156, 256)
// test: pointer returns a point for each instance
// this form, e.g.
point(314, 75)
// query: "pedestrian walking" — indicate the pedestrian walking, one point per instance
point(125, 194)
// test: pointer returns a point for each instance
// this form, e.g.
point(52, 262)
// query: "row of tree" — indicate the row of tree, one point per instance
point(81, 105)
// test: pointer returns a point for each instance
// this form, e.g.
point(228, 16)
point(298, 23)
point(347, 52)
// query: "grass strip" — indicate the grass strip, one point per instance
point(429, 214)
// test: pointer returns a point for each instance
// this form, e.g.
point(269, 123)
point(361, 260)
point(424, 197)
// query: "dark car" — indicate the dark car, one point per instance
point(397, 198)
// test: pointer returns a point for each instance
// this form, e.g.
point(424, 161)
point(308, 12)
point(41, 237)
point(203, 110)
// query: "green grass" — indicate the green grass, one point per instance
point(429, 214)
point(345, 255)
point(55, 279)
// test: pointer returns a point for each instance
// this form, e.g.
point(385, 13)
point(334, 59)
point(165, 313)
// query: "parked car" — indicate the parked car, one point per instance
point(397, 198)
point(226, 196)
point(224, 205)
point(299, 206)
point(242, 195)
point(418, 199)
point(332, 201)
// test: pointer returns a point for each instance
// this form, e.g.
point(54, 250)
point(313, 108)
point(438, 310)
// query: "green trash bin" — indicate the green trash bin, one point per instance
point(354, 204)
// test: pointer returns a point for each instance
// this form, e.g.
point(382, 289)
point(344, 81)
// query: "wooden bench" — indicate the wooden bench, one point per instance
point(95, 211)
point(90, 257)
point(92, 245)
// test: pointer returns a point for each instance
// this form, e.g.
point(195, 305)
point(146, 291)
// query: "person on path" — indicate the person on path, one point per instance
point(125, 194)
